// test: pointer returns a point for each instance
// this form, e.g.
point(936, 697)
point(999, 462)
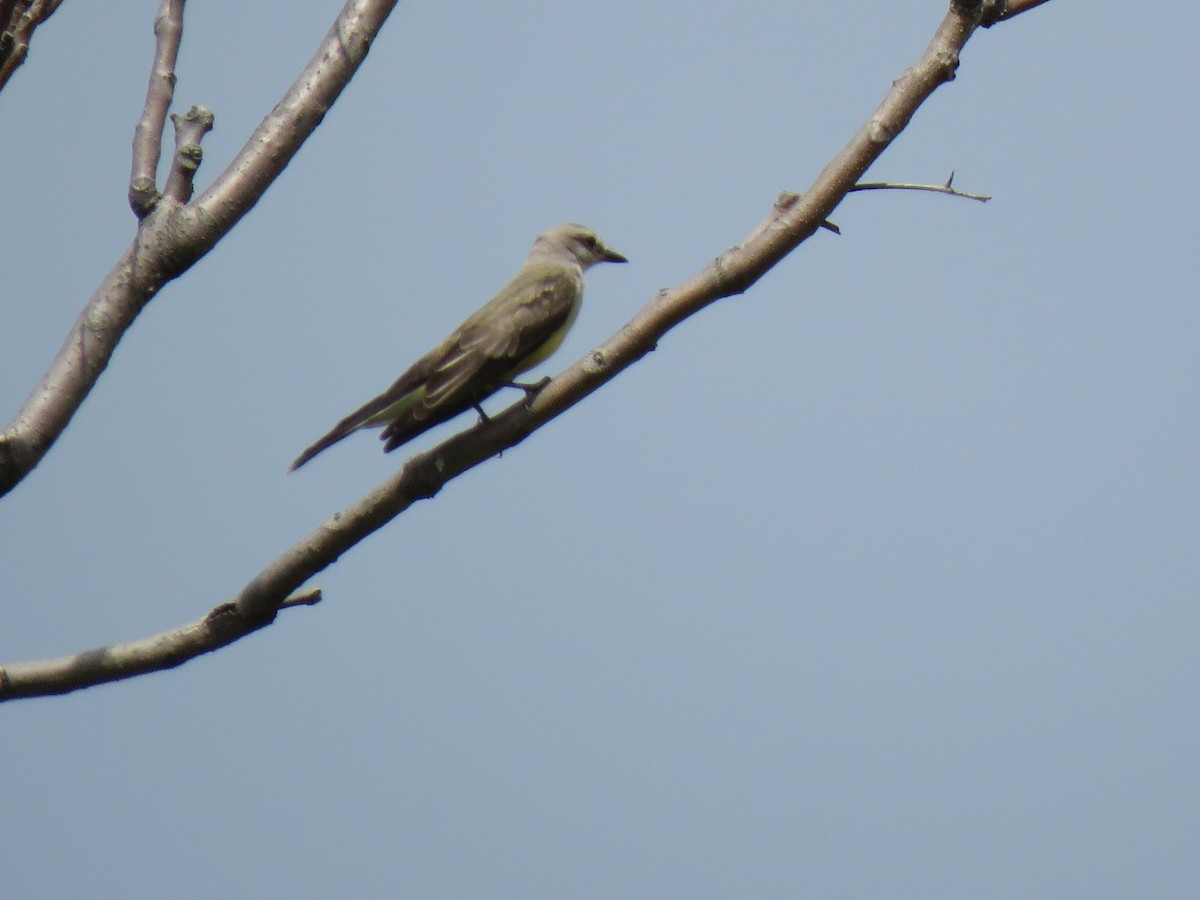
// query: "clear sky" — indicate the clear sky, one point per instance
point(878, 581)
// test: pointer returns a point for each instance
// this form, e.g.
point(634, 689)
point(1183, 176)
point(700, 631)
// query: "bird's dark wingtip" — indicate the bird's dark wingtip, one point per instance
point(308, 454)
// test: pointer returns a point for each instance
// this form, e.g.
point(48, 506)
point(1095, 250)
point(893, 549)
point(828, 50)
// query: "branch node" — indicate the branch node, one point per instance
point(786, 200)
point(143, 195)
point(224, 620)
point(948, 62)
point(596, 362)
point(189, 131)
point(992, 11)
point(879, 132)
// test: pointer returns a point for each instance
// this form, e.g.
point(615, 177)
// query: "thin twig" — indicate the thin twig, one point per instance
point(907, 186)
point(311, 597)
point(189, 131)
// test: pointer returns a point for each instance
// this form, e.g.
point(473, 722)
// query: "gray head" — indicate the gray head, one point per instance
point(575, 242)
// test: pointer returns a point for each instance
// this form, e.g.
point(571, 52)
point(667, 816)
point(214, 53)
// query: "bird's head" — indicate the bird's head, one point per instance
point(575, 242)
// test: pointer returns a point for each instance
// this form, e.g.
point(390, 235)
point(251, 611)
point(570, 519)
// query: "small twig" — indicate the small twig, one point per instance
point(311, 597)
point(189, 131)
point(946, 188)
point(147, 135)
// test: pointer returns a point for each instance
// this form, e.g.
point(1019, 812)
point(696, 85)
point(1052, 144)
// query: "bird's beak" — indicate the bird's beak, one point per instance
point(612, 256)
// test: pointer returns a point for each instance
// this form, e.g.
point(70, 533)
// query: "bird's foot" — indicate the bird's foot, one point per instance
point(531, 390)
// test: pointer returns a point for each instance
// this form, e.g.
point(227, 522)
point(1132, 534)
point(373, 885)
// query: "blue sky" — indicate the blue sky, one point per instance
point(879, 580)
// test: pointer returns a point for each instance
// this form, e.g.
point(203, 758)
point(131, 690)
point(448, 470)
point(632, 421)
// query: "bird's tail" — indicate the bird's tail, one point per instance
point(360, 418)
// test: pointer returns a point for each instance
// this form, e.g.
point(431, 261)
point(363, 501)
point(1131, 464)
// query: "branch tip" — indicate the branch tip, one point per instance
point(310, 597)
point(190, 129)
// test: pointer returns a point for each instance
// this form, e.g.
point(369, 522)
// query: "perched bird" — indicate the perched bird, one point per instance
point(510, 334)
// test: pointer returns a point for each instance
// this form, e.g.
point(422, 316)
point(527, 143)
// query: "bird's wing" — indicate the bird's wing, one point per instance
point(492, 344)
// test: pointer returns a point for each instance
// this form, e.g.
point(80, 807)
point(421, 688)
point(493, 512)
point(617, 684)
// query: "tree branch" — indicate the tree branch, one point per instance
point(18, 20)
point(278, 137)
point(791, 220)
point(147, 135)
point(172, 235)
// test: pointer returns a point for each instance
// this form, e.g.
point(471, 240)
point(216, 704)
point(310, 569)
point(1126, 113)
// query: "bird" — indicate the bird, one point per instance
point(510, 334)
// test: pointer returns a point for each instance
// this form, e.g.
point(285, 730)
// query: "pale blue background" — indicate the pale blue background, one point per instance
point(879, 581)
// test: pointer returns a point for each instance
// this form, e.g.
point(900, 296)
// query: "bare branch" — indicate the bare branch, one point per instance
point(792, 219)
point(18, 20)
point(172, 236)
point(147, 135)
point(278, 137)
point(46, 677)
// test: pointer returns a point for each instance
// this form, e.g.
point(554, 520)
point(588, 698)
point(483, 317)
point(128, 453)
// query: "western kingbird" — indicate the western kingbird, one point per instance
point(510, 334)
